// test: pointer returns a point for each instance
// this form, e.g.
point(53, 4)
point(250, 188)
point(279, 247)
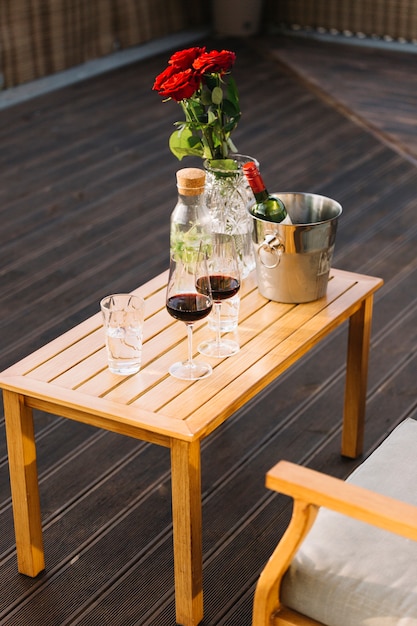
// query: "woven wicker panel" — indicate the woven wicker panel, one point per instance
point(46, 36)
point(143, 20)
point(396, 19)
point(39, 37)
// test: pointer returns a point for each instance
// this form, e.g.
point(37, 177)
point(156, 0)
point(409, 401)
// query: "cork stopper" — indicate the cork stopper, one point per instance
point(190, 181)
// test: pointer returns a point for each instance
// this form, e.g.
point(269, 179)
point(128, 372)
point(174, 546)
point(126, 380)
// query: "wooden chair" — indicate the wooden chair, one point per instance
point(329, 568)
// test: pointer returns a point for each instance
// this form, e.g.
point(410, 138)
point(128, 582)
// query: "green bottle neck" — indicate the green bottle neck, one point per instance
point(261, 196)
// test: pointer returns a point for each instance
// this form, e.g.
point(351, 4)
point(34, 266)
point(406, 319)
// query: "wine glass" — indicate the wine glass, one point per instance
point(224, 275)
point(189, 299)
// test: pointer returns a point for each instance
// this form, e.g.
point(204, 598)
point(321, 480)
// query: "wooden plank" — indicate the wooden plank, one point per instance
point(108, 415)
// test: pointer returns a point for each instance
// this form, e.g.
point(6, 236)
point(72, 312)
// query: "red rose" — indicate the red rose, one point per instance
point(184, 59)
point(214, 62)
point(163, 76)
point(180, 85)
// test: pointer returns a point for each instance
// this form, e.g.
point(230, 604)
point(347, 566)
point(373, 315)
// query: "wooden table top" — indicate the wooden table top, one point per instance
point(69, 376)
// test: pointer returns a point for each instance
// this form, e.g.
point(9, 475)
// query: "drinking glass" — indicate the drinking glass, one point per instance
point(123, 315)
point(224, 275)
point(189, 299)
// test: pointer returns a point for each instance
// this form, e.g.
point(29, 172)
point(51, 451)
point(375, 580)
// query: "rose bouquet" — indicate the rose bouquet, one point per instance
point(201, 83)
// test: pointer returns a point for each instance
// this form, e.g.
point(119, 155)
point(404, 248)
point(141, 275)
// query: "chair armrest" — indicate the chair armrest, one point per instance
point(312, 487)
point(311, 490)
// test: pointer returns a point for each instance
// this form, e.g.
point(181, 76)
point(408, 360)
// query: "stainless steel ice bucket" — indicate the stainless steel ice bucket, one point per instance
point(293, 261)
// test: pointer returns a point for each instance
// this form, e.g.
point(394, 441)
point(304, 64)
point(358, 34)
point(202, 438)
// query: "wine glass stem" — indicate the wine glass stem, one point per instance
point(190, 343)
point(218, 309)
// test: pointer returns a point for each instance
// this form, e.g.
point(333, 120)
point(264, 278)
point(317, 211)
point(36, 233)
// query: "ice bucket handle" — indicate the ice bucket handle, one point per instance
point(270, 251)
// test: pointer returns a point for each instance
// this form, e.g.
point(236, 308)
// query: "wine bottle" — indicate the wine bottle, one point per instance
point(266, 207)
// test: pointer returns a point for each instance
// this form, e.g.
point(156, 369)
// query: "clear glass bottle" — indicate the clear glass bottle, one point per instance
point(266, 207)
point(190, 219)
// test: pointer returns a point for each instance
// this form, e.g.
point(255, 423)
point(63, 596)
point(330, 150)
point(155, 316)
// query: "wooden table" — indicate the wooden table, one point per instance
point(69, 377)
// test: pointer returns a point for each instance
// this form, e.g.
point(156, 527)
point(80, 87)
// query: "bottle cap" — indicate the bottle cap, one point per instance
point(253, 177)
point(190, 181)
point(250, 169)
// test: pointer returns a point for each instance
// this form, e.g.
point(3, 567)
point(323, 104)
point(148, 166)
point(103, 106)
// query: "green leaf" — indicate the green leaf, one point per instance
point(206, 96)
point(183, 143)
point(232, 92)
point(217, 95)
point(231, 145)
point(230, 108)
point(212, 117)
point(198, 109)
point(223, 164)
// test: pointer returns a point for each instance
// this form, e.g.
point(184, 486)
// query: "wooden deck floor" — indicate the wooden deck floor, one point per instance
point(87, 187)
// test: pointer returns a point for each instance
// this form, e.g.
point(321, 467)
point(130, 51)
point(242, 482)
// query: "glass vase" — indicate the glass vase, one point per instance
point(228, 196)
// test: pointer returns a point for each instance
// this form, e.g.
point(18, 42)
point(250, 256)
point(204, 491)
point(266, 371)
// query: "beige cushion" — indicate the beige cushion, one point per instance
point(348, 573)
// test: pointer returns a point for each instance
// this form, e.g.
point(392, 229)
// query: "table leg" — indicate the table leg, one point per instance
point(24, 484)
point(356, 379)
point(187, 530)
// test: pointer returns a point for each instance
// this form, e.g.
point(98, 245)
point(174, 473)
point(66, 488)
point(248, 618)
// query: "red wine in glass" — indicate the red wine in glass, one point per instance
point(189, 307)
point(188, 304)
point(223, 286)
point(225, 283)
